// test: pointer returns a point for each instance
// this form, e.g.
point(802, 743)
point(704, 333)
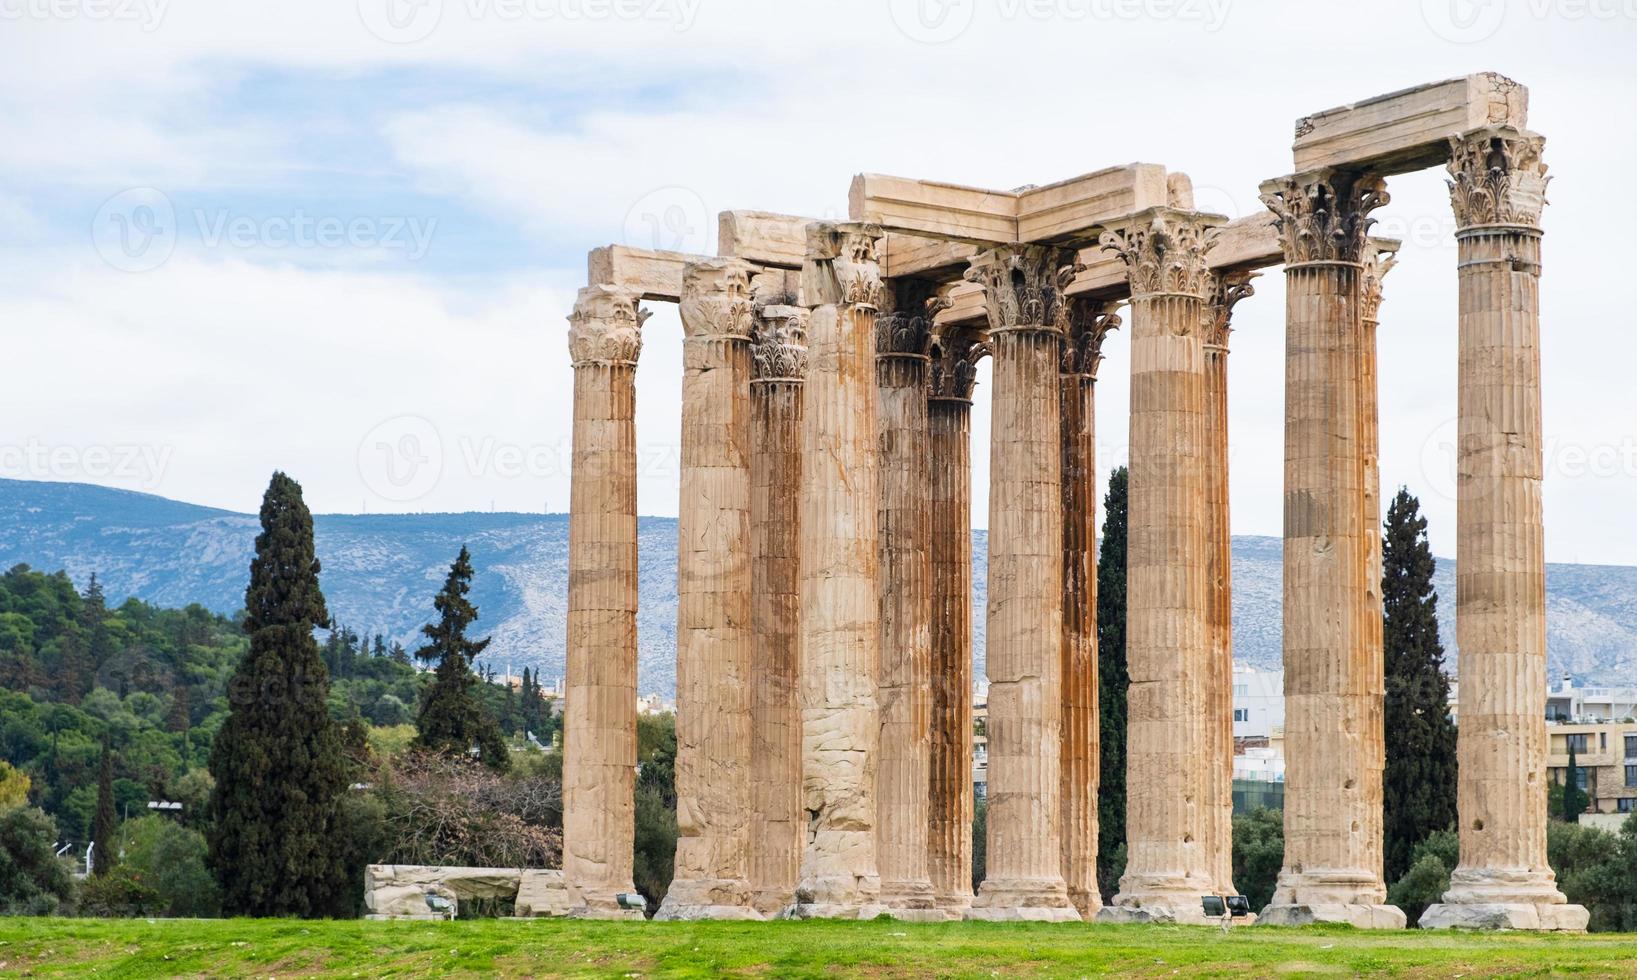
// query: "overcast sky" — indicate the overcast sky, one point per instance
point(340, 238)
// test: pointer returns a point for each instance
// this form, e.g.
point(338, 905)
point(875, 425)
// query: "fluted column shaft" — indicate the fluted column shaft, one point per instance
point(903, 783)
point(778, 370)
point(840, 648)
point(600, 739)
point(1166, 626)
point(1025, 615)
point(1334, 688)
point(949, 423)
point(1497, 189)
point(714, 582)
point(1079, 777)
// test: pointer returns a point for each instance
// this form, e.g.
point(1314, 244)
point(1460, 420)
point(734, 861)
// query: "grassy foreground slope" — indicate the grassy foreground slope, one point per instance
point(65, 947)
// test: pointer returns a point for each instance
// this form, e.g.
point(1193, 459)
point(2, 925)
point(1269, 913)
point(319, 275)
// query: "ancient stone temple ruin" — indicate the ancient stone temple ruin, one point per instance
point(824, 661)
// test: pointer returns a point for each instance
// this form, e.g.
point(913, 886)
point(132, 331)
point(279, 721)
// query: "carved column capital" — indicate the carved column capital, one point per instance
point(1497, 177)
point(778, 344)
point(1379, 259)
point(955, 356)
point(1023, 285)
point(1324, 216)
point(606, 325)
point(1089, 323)
point(715, 301)
point(1164, 250)
point(841, 265)
point(1227, 290)
point(906, 330)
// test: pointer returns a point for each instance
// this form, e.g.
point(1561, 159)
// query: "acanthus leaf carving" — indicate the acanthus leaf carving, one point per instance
point(1497, 177)
point(842, 265)
point(1090, 322)
point(1378, 261)
point(1324, 216)
point(1023, 285)
point(955, 356)
point(716, 301)
point(1166, 253)
point(907, 327)
point(1227, 289)
point(606, 325)
point(778, 344)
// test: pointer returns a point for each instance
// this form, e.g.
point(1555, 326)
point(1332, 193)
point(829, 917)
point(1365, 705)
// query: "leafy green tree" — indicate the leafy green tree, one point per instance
point(453, 720)
point(170, 859)
point(980, 844)
point(1418, 785)
point(1423, 885)
point(1258, 853)
point(1112, 682)
point(656, 829)
point(276, 843)
point(104, 827)
point(13, 786)
point(33, 880)
point(1574, 798)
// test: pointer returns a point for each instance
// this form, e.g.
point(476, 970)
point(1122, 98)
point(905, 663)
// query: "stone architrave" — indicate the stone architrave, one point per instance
point(1334, 686)
point(955, 355)
point(778, 355)
point(903, 343)
point(1217, 787)
point(1027, 316)
point(1497, 187)
point(840, 638)
point(714, 585)
point(1088, 324)
point(1167, 630)
point(600, 759)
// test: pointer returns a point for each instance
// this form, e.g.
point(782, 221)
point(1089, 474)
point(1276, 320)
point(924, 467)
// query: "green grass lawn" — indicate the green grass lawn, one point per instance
point(146, 948)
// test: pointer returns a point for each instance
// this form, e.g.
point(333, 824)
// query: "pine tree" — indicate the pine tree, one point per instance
point(453, 719)
point(276, 840)
point(1112, 678)
point(1574, 798)
point(399, 654)
point(76, 668)
point(94, 621)
point(105, 824)
point(1418, 786)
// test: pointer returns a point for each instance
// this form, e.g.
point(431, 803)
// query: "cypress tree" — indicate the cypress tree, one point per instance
point(1112, 677)
point(276, 840)
point(1418, 786)
point(453, 719)
point(94, 621)
point(105, 824)
point(1574, 798)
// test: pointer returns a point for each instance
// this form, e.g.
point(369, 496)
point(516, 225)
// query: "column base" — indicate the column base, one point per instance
point(1357, 916)
point(772, 904)
point(1165, 915)
point(724, 899)
point(1023, 900)
point(842, 896)
point(816, 910)
point(601, 905)
point(1490, 916)
point(954, 905)
point(1159, 898)
point(1088, 904)
point(911, 901)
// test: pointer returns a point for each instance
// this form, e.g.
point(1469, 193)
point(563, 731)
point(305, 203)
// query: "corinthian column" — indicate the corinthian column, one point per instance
point(949, 421)
point(713, 638)
point(840, 647)
point(778, 354)
point(1023, 294)
point(600, 737)
point(1217, 786)
point(903, 338)
point(1089, 323)
point(1334, 688)
point(1167, 637)
point(1503, 881)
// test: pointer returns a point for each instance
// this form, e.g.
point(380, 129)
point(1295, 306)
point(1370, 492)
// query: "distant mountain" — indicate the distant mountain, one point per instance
point(380, 573)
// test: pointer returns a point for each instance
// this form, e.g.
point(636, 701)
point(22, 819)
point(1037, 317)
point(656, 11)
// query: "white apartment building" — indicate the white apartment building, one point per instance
point(1258, 701)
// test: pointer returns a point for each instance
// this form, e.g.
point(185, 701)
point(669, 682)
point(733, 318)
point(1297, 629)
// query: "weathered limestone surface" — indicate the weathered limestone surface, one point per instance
point(778, 367)
point(1165, 252)
point(903, 341)
point(714, 640)
point(1023, 290)
point(949, 421)
point(1503, 881)
point(1217, 770)
point(1333, 668)
point(599, 765)
point(840, 639)
point(1088, 324)
point(1408, 129)
point(542, 893)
